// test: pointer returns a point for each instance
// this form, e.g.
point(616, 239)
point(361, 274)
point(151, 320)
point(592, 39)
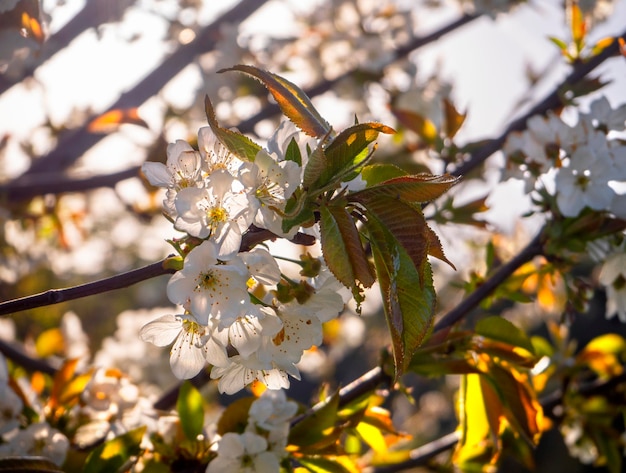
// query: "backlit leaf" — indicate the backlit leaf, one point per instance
point(113, 454)
point(376, 173)
point(293, 102)
point(316, 427)
point(190, 408)
point(238, 144)
point(422, 126)
point(349, 149)
point(415, 189)
point(235, 416)
point(326, 464)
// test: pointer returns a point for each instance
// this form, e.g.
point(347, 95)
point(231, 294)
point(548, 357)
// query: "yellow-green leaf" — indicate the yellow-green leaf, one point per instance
point(498, 328)
point(238, 144)
point(113, 454)
point(190, 408)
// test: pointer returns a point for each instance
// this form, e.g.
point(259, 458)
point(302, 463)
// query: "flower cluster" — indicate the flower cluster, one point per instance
point(239, 313)
point(585, 158)
point(261, 446)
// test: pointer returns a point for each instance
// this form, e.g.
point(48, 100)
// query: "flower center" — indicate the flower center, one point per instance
point(217, 215)
point(206, 280)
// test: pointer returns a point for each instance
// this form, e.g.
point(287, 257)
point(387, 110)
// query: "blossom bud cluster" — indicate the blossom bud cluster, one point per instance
point(233, 316)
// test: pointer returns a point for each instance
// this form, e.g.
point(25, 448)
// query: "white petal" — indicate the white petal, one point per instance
point(186, 359)
point(162, 331)
point(157, 174)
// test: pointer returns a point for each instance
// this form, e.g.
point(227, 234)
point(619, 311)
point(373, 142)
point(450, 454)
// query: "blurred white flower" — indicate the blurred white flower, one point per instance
point(243, 453)
point(36, 440)
point(181, 170)
point(613, 277)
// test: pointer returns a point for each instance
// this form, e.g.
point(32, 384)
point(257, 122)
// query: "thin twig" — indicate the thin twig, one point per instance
point(534, 248)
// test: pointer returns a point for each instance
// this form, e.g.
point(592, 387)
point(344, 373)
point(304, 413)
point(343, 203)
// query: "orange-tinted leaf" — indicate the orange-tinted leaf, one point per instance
point(111, 120)
point(578, 25)
point(414, 189)
point(453, 119)
point(291, 99)
point(601, 45)
point(422, 126)
point(61, 378)
point(31, 28)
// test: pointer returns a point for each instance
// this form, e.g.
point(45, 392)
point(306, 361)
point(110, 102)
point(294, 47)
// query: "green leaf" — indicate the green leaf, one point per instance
point(238, 144)
point(190, 408)
point(348, 150)
point(293, 102)
point(112, 455)
point(314, 168)
point(293, 152)
point(341, 247)
point(316, 426)
point(407, 288)
point(562, 45)
point(28, 465)
point(497, 328)
point(376, 173)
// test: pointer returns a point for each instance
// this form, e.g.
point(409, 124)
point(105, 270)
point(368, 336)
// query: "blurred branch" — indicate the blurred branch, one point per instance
point(93, 14)
point(271, 109)
point(25, 361)
point(39, 182)
point(75, 143)
point(34, 185)
point(550, 102)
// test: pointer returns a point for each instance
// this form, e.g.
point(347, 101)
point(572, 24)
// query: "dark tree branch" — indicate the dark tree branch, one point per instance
point(76, 142)
point(550, 102)
point(55, 296)
point(25, 361)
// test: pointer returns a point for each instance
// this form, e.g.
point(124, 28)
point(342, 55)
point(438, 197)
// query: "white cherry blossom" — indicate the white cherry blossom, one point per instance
point(222, 211)
point(209, 288)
